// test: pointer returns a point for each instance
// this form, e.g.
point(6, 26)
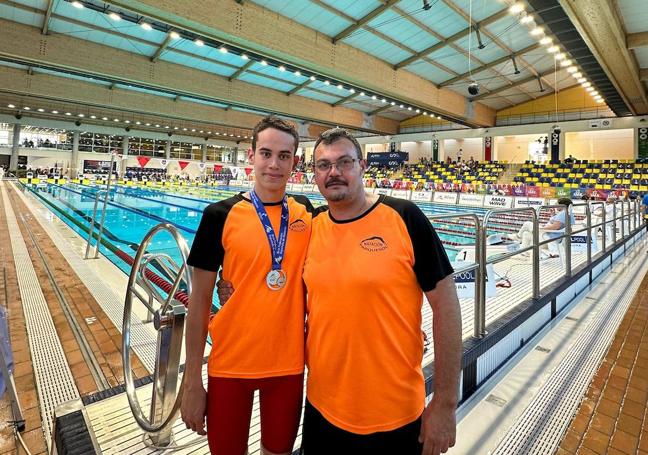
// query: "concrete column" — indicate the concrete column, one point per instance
point(74, 162)
point(234, 156)
point(167, 150)
point(15, 146)
point(203, 156)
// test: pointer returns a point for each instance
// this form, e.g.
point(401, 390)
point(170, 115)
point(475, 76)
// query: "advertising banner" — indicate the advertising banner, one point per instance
point(500, 202)
point(421, 196)
point(476, 200)
point(445, 198)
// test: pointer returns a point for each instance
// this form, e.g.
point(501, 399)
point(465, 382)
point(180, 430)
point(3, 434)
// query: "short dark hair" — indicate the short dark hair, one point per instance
point(275, 122)
point(333, 135)
point(564, 201)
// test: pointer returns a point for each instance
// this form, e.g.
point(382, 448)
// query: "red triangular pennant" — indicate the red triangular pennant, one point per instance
point(183, 164)
point(142, 160)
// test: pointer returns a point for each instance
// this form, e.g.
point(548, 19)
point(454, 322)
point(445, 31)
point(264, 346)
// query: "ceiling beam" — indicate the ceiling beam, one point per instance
point(345, 99)
point(636, 40)
point(48, 15)
point(160, 49)
point(503, 88)
point(380, 109)
point(490, 65)
point(460, 34)
point(297, 88)
point(333, 10)
point(359, 23)
point(599, 24)
point(241, 70)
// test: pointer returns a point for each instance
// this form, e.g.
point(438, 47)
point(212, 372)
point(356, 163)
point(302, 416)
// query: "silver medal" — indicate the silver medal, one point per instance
point(276, 279)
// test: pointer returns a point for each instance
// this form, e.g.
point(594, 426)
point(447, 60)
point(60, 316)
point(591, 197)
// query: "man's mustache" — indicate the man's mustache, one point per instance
point(335, 182)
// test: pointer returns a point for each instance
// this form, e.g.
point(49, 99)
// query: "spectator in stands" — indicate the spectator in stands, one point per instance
point(552, 230)
point(569, 159)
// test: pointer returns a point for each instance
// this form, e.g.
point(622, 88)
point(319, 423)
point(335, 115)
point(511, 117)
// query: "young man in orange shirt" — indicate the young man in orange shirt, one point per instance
point(369, 262)
point(259, 239)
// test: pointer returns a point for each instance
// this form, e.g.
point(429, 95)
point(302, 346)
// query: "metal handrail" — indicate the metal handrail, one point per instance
point(480, 314)
point(92, 225)
point(476, 266)
point(103, 213)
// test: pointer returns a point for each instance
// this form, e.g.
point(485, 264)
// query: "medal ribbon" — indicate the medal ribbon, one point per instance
point(277, 244)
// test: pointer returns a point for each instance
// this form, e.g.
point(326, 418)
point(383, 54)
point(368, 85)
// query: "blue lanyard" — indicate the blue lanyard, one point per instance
point(277, 245)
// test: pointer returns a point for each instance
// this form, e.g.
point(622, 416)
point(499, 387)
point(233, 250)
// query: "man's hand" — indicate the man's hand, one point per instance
point(438, 428)
point(224, 289)
point(194, 408)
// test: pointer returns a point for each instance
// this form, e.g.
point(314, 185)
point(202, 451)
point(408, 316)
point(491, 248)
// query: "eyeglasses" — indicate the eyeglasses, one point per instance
point(342, 165)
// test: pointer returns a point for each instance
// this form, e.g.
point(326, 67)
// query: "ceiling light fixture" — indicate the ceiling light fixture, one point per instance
point(199, 42)
point(546, 41)
point(114, 16)
point(78, 5)
point(264, 63)
point(40, 109)
point(553, 49)
point(312, 78)
point(526, 19)
point(516, 8)
point(27, 108)
point(174, 35)
point(245, 57)
point(11, 106)
point(282, 68)
point(146, 26)
point(582, 80)
point(537, 31)
point(297, 73)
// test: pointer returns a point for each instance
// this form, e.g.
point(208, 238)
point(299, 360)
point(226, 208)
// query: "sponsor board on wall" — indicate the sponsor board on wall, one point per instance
point(385, 191)
point(498, 201)
point(421, 196)
point(247, 184)
point(289, 186)
point(445, 198)
point(297, 187)
point(534, 202)
point(471, 199)
point(238, 183)
point(308, 188)
point(518, 190)
point(400, 194)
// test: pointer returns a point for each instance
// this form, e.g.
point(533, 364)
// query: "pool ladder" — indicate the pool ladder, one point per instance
point(92, 224)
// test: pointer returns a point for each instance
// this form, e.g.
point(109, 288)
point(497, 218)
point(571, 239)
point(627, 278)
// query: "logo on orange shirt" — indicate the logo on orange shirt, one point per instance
point(374, 244)
point(298, 226)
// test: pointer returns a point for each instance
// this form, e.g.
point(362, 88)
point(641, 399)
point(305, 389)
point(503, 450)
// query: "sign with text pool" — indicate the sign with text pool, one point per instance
point(465, 282)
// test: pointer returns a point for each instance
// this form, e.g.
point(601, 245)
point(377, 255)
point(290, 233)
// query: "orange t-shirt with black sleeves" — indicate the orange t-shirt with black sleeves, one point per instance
point(259, 332)
point(365, 279)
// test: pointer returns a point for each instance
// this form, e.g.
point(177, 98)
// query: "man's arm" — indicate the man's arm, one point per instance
point(194, 398)
point(438, 429)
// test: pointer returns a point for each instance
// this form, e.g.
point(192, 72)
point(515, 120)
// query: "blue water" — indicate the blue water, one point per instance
point(132, 212)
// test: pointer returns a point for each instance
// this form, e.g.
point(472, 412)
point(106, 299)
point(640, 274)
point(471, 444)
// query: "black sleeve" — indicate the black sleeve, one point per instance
point(207, 250)
point(303, 200)
point(431, 263)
